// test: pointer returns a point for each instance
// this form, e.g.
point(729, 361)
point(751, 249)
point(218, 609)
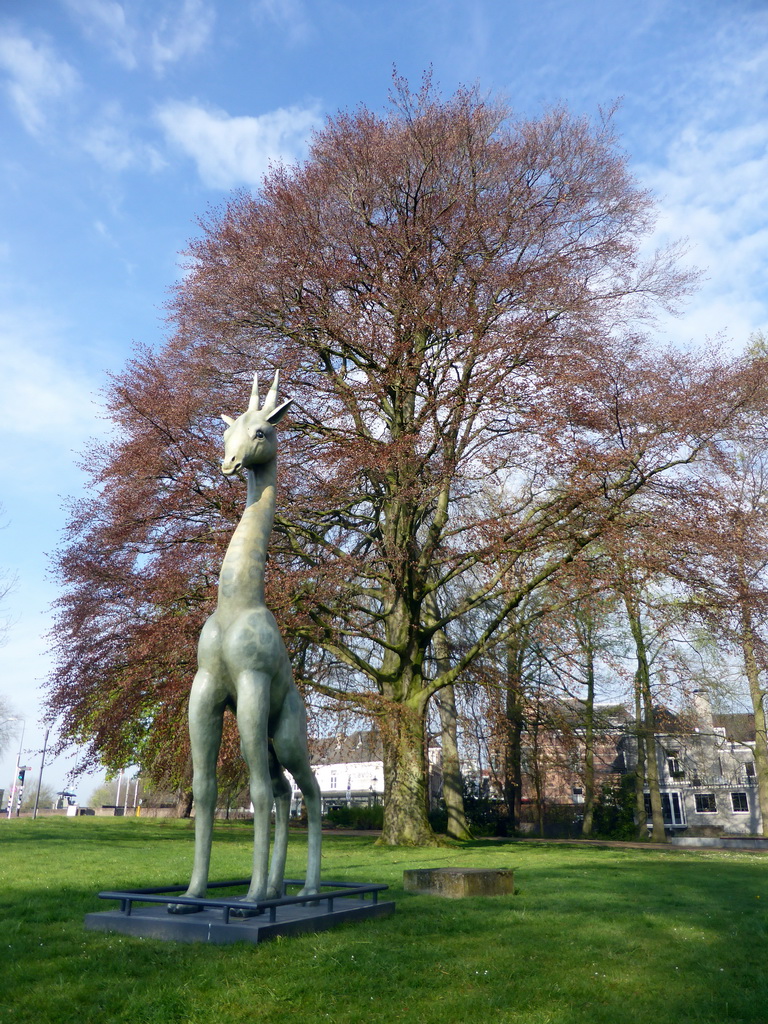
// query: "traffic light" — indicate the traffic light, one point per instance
point(20, 776)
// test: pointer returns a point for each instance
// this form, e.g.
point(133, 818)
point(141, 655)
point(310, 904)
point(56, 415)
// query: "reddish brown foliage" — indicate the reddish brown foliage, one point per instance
point(454, 298)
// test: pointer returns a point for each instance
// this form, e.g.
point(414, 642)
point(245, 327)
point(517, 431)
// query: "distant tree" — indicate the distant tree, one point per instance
point(510, 673)
point(8, 582)
point(8, 723)
point(630, 584)
point(723, 543)
point(47, 795)
point(583, 642)
point(455, 297)
point(104, 795)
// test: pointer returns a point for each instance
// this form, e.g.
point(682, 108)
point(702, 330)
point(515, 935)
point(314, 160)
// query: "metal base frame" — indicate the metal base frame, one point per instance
point(215, 919)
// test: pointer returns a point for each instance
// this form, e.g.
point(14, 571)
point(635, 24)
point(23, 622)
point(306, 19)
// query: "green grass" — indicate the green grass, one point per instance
point(620, 936)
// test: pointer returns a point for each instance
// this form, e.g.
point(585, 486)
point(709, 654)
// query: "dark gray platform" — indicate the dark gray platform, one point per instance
point(215, 922)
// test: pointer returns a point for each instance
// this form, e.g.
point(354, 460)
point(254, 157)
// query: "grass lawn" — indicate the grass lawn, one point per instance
point(620, 936)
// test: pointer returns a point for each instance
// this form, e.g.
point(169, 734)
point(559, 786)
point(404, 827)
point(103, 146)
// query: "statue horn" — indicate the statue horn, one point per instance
point(254, 401)
point(271, 400)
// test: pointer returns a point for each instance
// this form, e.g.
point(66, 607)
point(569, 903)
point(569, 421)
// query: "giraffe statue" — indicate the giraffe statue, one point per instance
point(243, 665)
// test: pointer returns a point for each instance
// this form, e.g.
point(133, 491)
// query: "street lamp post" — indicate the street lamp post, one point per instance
point(12, 718)
point(18, 765)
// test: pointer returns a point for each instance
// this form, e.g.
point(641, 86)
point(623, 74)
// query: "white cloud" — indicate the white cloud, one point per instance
point(105, 23)
point(232, 151)
point(36, 78)
point(47, 406)
point(160, 33)
point(289, 16)
point(713, 190)
point(110, 142)
point(715, 193)
point(182, 35)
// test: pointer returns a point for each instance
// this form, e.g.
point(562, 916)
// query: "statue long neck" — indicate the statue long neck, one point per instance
point(241, 580)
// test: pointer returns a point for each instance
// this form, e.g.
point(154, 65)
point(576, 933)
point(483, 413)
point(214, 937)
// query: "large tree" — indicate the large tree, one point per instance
point(455, 298)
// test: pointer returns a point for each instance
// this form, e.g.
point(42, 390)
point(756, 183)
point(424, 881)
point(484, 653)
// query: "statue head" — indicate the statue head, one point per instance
point(251, 439)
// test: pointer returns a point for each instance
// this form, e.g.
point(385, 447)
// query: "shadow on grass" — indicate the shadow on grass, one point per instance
point(594, 936)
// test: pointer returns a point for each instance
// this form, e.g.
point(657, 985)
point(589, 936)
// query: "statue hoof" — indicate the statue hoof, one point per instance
point(246, 909)
point(183, 908)
point(308, 892)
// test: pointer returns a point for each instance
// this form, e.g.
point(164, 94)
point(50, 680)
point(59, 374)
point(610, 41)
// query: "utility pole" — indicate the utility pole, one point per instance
point(40, 780)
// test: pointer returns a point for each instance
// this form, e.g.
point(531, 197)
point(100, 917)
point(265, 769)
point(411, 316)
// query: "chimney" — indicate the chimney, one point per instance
point(702, 711)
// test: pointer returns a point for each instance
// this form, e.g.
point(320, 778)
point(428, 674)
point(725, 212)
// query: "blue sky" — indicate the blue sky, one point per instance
point(122, 122)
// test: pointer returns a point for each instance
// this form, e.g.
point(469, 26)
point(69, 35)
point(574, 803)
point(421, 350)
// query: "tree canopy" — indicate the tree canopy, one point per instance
point(460, 306)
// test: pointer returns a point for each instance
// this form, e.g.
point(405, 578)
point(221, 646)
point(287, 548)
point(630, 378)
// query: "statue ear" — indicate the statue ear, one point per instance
point(228, 420)
point(279, 412)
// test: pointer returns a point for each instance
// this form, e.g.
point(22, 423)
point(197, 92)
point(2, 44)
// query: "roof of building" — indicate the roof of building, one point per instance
point(355, 748)
point(739, 728)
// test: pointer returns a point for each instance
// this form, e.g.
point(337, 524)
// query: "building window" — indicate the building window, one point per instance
point(706, 803)
point(671, 809)
point(672, 806)
point(740, 802)
point(674, 767)
point(578, 794)
point(749, 768)
point(333, 781)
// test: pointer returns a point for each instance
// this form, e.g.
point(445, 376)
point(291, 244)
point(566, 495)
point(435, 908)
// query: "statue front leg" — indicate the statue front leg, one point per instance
point(205, 726)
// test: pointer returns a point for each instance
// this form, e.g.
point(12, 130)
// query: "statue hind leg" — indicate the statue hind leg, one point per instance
point(290, 745)
point(281, 793)
point(307, 783)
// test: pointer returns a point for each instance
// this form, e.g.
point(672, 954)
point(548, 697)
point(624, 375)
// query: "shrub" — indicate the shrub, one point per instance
point(614, 815)
point(356, 817)
point(485, 817)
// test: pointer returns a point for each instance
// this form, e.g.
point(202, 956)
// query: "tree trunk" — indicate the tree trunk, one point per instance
point(184, 803)
point(648, 728)
point(535, 762)
point(640, 814)
point(537, 771)
point(453, 788)
point(445, 699)
point(757, 695)
point(513, 745)
point(405, 779)
point(589, 746)
point(652, 764)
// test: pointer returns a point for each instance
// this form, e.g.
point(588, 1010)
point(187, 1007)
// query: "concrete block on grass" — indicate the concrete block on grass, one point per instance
point(457, 883)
